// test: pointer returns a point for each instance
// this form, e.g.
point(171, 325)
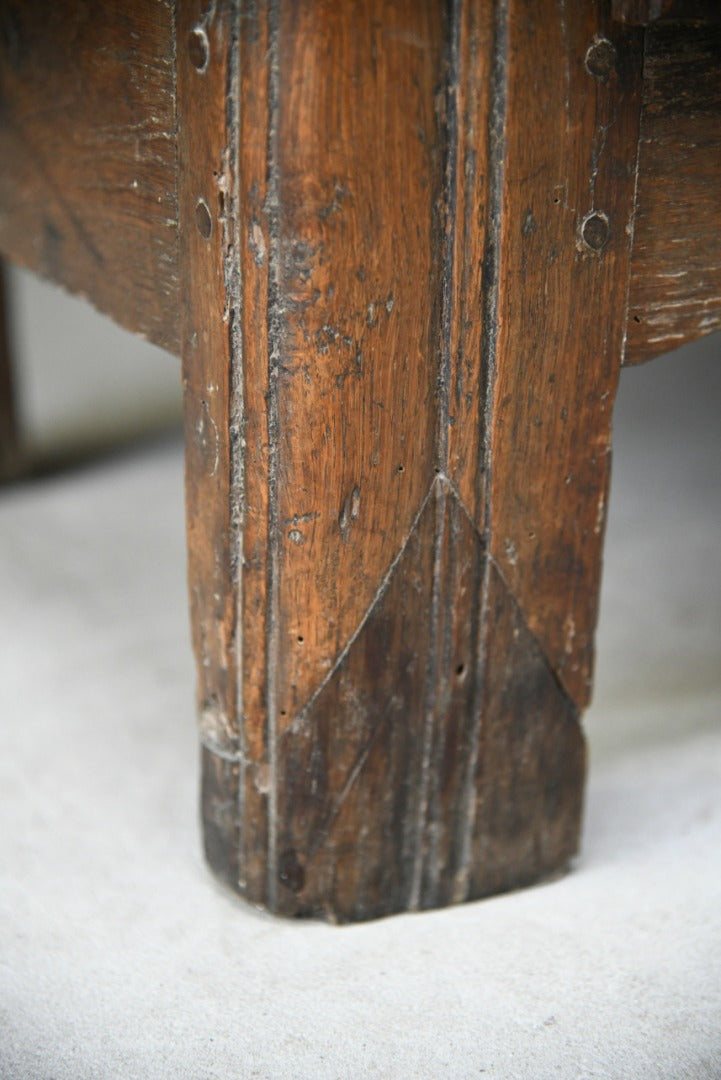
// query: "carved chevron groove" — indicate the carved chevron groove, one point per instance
point(348, 843)
point(505, 764)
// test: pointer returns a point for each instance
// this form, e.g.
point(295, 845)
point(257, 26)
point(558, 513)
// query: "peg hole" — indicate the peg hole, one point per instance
point(203, 219)
point(199, 49)
point(601, 59)
point(594, 231)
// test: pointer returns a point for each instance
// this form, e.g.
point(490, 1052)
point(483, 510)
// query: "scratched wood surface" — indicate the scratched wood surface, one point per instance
point(675, 291)
point(406, 235)
point(87, 153)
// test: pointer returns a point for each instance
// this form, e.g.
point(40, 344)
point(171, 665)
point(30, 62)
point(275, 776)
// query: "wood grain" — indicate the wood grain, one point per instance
point(350, 800)
point(210, 319)
point(88, 154)
point(359, 264)
point(353, 765)
point(256, 469)
point(470, 209)
point(675, 290)
point(564, 248)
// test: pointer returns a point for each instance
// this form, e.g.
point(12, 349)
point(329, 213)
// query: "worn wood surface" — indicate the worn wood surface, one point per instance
point(574, 90)
point(88, 153)
point(210, 313)
point(675, 291)
point(406, 250)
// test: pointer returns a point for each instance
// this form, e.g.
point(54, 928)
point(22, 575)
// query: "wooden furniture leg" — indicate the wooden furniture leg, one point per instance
point(406, 233)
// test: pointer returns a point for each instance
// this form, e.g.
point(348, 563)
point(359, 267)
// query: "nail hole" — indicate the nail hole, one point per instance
point(637, 318)
point(594, 231)
point(198, 49)
point(461, 670)
point(290, 871)
point(400, 468)
point(601, 59)
point(203, 219)
point(300, 639)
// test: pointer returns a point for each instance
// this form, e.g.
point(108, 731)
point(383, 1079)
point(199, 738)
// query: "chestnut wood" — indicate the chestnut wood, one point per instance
point(88, 153)
point(675, 291)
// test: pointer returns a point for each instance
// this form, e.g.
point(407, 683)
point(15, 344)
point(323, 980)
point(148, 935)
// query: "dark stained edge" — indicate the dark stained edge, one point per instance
point(531, 785)
point(10, 455)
